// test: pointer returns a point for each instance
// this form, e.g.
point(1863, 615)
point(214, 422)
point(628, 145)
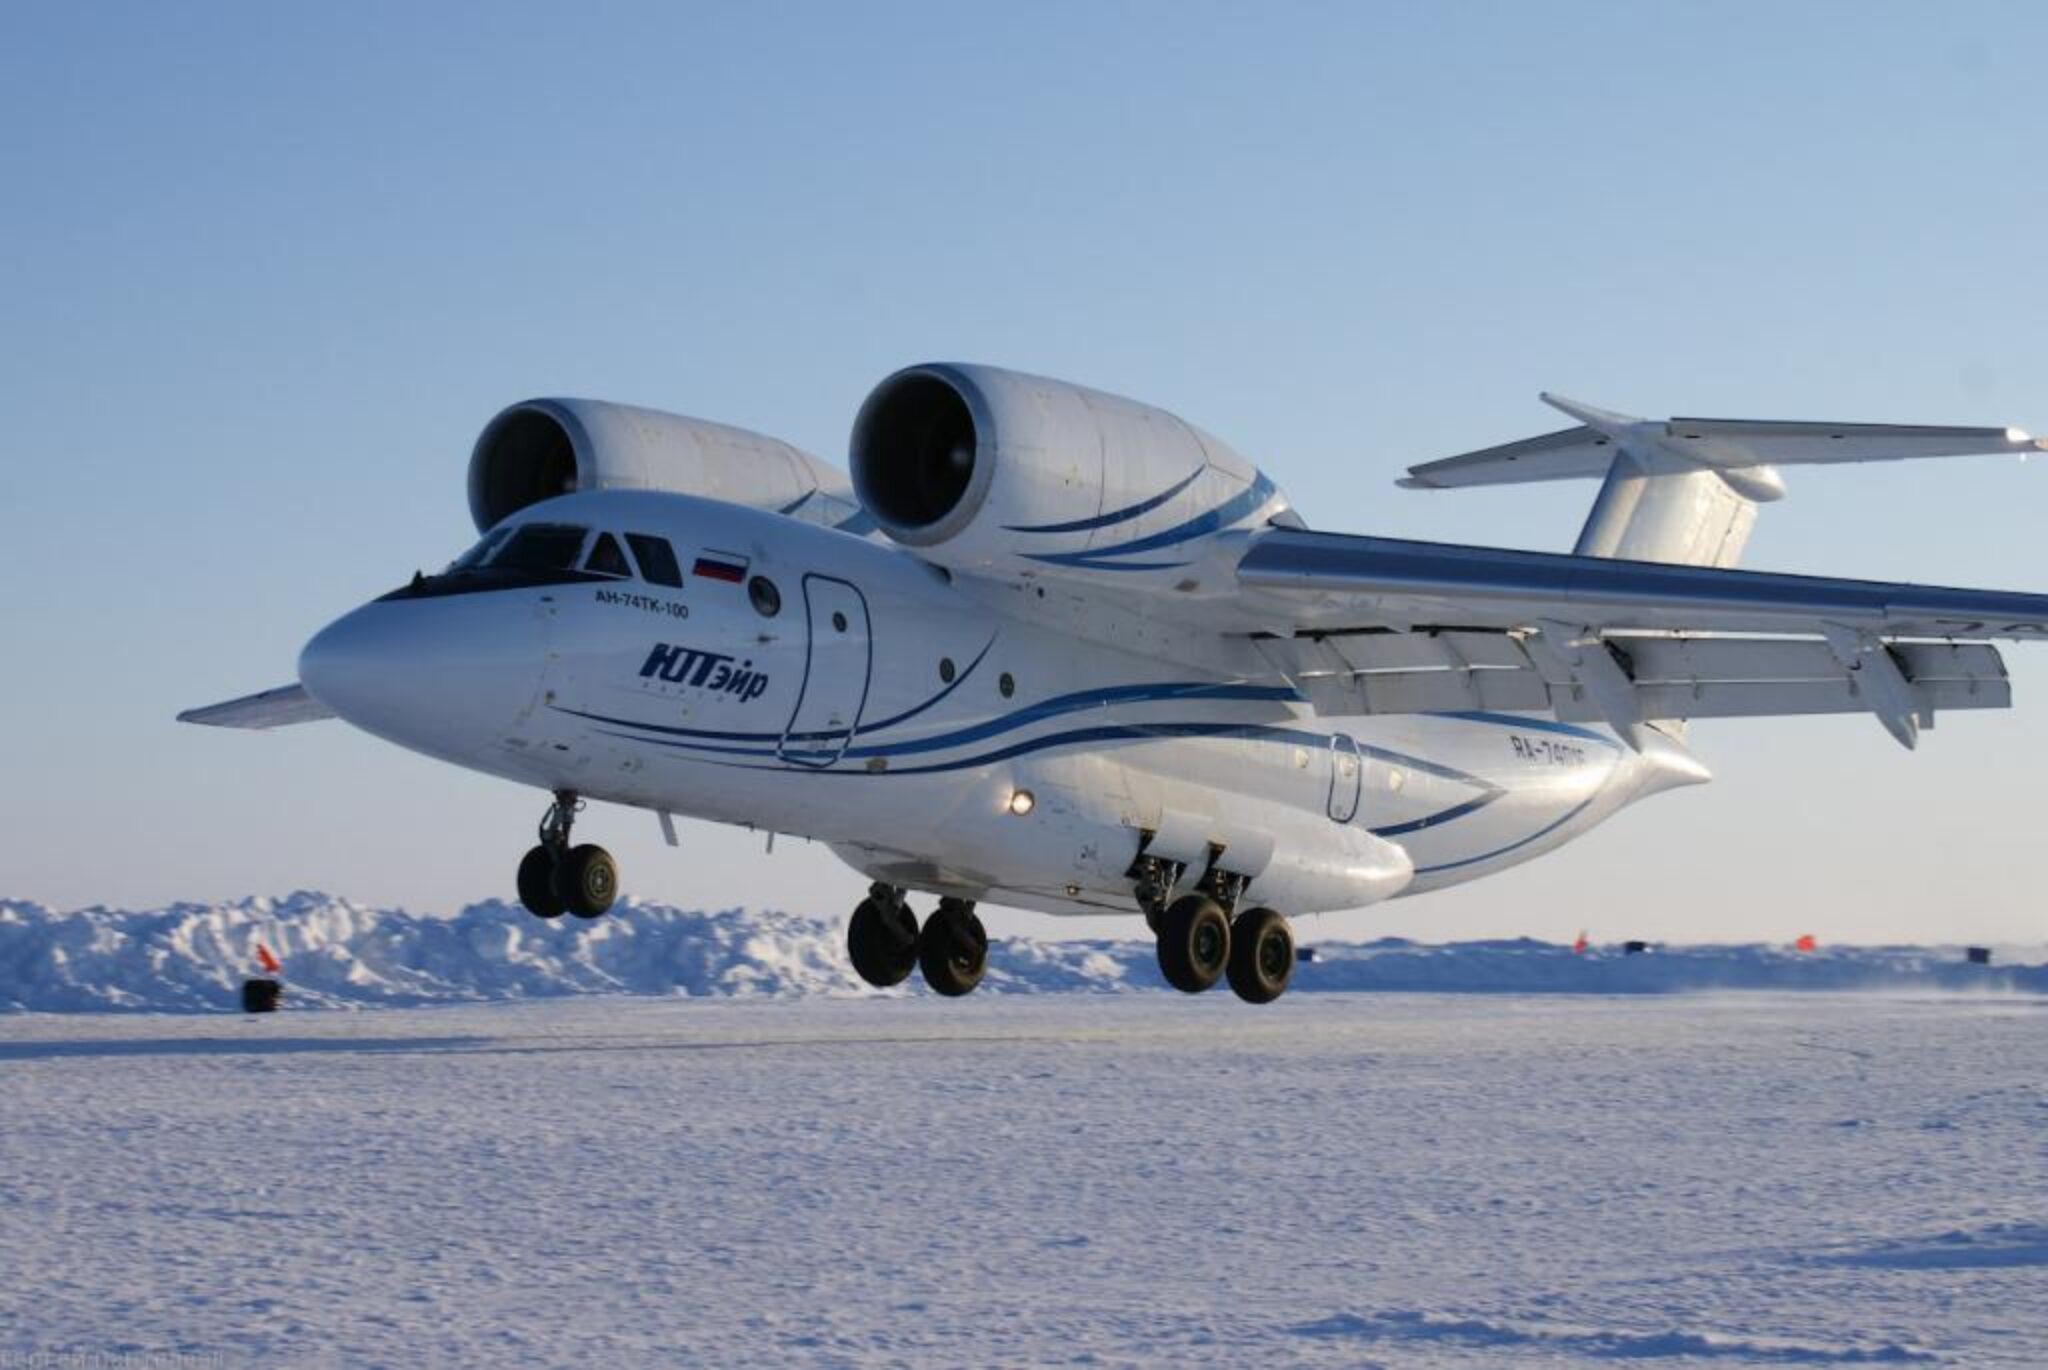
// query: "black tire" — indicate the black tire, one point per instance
point(953, 949)
point(537, 884)
point(1261, 955)
point(881, 941)
point(586, 881)
point(1194, 943)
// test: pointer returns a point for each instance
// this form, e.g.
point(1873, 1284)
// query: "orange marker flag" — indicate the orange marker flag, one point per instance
point(1806, 943)
point(266, 960)
point(1579, 947)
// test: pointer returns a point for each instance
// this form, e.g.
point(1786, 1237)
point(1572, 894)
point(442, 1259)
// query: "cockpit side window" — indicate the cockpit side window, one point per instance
point(657, 559)
point(541, 547)
point(474, 557)
point(606, 559)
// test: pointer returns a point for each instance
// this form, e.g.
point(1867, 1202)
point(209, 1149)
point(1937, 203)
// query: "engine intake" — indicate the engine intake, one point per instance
point(524, 456)
point(920, 454)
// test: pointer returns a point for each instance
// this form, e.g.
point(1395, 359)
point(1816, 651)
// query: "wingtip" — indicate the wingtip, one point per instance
point(1415, 482)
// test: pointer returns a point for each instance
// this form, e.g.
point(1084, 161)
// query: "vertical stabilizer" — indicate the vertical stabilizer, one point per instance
point(1657, 504)
point(1690, 517)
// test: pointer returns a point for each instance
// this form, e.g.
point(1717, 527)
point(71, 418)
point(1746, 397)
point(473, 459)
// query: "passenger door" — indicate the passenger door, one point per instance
point(836, 670)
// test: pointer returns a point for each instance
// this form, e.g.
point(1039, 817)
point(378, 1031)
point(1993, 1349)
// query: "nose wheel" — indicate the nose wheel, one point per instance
point(557, 878)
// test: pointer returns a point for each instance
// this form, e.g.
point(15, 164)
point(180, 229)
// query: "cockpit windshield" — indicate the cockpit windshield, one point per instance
point(542, 547)
point(529, 555)
point(606, 559)
point(474, 557)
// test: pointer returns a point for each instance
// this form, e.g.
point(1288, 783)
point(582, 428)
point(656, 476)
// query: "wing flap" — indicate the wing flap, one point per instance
point(281, 707)
point(1348, 674)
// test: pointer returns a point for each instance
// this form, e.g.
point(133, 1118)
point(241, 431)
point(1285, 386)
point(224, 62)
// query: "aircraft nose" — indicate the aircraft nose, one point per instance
point(435, 675)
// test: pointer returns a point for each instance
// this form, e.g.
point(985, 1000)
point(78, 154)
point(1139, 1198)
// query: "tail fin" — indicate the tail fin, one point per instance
point(1686, 490)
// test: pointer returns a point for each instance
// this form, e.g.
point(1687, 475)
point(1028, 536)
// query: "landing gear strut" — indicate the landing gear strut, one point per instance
point(556, 878)
point(885, 944)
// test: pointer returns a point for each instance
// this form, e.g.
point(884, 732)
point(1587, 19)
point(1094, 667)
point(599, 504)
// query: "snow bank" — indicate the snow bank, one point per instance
point(192, 958)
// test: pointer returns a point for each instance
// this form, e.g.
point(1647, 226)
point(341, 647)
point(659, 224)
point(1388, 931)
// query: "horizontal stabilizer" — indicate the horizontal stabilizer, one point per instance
point(276, 708)
point(1588, 450)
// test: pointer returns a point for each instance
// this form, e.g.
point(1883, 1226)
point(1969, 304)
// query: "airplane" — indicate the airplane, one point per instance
point(1059, 650)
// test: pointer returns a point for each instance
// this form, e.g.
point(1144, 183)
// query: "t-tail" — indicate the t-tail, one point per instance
point(1686, 491)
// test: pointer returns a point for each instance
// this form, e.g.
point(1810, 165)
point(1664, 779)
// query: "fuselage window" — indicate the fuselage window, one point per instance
point(657, 559)
point(606, 559)
point(474, 557)
point(542, 547)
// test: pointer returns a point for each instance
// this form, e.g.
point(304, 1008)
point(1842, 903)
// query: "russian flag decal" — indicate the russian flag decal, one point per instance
point(726, 566)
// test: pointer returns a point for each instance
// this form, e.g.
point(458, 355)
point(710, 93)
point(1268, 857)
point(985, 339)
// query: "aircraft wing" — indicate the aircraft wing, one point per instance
point(1366, 624)
point(276, 708)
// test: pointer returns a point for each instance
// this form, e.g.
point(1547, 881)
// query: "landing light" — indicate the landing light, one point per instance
point(1021, 802)
point(2017, 435)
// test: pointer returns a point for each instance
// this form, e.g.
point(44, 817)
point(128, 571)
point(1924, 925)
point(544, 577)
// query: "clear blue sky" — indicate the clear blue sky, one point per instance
point(268, 268)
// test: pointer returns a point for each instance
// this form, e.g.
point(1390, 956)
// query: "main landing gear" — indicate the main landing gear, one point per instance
point(556, 878)
point(885, 944)
point(1201, 943)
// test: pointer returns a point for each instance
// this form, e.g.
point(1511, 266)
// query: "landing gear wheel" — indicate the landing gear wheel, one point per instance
point(881, 941)
point(953, 949)
point(1261, 955)
point(1194, 943)
point(586, 881)
point(537, 884)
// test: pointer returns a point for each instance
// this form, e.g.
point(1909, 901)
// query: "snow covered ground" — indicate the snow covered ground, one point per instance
point(1107, 1179)
point(192, 957)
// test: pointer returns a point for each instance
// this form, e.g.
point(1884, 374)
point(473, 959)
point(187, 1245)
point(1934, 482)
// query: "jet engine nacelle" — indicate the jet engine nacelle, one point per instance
point(538, 449)
point(978, 468)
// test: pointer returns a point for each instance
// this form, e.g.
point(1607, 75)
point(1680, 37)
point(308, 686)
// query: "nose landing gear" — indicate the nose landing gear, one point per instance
point(556, 878)
point(884, 943)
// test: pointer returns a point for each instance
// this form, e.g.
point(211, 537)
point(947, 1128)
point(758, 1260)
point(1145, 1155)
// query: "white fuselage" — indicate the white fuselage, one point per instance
point(896, 713)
